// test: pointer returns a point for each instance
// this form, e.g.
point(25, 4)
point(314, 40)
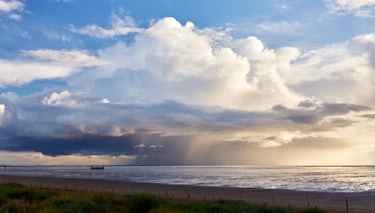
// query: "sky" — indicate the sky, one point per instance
point(213, 82)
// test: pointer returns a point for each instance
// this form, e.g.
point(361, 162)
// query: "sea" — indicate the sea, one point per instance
point(303, 178)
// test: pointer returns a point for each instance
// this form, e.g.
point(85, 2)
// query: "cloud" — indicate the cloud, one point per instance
point(165, 133)
point(55, 36)
point(15, 16)
point(279, 27)
point(44, 64)
point(120, 26)
point(37, 158)
point(150, 149)
point(361, 8)
point(63, 1)
point(334, 73)
point(366, 44)
point(67, 99)
point(2, 114)
point(318, 112)
point(177, 94)
point(10, 7)
point(63, 57)
point(171, 61)
point(7, 113)
point(60, 99)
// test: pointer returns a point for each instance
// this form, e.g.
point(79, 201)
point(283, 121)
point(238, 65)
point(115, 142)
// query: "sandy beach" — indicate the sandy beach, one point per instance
point(335, 202)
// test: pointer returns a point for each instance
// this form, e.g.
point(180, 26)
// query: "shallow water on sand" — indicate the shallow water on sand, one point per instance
point(305, 178)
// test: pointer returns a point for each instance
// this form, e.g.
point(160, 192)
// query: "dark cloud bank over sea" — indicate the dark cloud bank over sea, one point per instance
point(173, 133)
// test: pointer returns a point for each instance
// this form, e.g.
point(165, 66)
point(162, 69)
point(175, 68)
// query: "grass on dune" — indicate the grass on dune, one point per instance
point(18, 198)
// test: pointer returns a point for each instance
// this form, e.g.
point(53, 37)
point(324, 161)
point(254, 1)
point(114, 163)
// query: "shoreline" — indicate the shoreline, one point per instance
point(358, 202)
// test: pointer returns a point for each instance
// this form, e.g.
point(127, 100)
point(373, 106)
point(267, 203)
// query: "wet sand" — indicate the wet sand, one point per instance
point(335, 202)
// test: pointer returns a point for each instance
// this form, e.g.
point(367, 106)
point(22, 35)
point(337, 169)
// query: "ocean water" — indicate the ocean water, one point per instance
point(305, 178)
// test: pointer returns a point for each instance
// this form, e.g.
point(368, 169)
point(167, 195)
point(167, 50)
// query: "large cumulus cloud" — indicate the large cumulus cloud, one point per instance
point(170, 61)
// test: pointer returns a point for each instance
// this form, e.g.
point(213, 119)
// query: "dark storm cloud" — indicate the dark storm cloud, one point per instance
point(102, 117)
point(311, 116)
point(170, 150)
point(91, 144)
point(150, 149)
point(158, 133)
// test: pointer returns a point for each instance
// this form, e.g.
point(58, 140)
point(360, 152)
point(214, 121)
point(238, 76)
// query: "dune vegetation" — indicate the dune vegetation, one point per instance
point(18, 198)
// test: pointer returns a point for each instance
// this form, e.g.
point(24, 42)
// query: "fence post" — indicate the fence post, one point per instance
point(308, 200)
point(347, 204)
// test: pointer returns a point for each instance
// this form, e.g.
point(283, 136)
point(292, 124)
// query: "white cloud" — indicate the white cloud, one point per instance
point(333, 74)
point(140, 146)
point(55, 36)
point(60, 99)
point(74, 58)
point(6, 115)
point(352, 5)
point(105, 101)
point(2, 113)
point(15, 16)
point(9, 6)
point(120, 26)
point(44, 64)
point(366, 44)
point(74, 100)
point(279, 27)
point(170, 61)
point(362, 8)
point(10, 96)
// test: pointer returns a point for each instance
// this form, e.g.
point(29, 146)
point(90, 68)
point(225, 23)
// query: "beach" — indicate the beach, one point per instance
point(358, 202)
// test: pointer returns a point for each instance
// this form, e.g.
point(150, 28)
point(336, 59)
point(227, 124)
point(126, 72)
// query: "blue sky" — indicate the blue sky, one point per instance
point(311, 22)
point(186, 82)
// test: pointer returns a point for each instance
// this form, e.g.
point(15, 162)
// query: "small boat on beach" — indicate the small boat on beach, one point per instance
point(97, 167)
